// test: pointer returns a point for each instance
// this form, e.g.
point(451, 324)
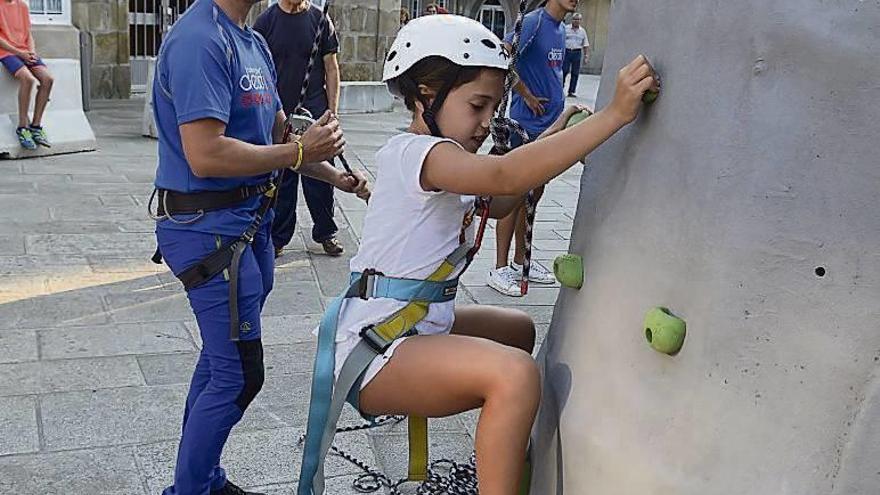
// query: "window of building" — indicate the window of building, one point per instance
point(417, 7)
point(492, 16)
point(50, 11)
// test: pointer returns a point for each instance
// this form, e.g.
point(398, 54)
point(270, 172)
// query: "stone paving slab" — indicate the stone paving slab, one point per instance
point(44, 377)
point(295, 298)
point(17, 345)
point(167, 369)
point(114, 340)
point(11, 245)
point(253, 458)
point(72, 308)
point(18, 425)
point(110, 471)
point(136, 245)
point(73, 165)
point(102, 418)
point(146, 306)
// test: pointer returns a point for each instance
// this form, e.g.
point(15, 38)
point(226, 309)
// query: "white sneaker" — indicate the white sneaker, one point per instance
point(537, 273)
point(505, 281)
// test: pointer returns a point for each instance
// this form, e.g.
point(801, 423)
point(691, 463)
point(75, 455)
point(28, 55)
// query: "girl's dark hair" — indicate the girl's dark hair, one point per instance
point(433, 72)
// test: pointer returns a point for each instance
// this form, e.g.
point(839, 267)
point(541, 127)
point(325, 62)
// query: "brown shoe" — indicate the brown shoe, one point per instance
point(332, 247)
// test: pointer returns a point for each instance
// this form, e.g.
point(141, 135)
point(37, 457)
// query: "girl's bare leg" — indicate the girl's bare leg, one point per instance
point(506, 326)
point(440, 375)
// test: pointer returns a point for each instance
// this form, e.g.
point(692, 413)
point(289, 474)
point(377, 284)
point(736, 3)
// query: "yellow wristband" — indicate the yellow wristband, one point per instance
point(299, 155)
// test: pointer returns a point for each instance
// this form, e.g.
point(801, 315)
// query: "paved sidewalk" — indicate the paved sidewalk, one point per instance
point(97, 344)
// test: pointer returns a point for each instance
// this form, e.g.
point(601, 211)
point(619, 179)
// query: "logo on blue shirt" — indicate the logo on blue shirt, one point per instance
point(252, 79)
point(554, 57)
point(257, 90)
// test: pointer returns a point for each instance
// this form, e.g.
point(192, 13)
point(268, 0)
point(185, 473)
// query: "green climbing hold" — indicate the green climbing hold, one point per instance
point(650, 96)
point(578, 118)
point(569, 270)
point(665, 332)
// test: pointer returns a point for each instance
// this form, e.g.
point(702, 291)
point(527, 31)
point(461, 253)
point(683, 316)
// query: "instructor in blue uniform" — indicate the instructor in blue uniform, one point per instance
point(218, 114)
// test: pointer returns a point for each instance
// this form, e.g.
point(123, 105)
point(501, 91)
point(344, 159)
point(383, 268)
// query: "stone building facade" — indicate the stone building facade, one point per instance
point(366, 29)
point(106, 22)
point(124, 34)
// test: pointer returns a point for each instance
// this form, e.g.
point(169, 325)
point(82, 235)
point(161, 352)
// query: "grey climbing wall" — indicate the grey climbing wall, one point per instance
point(747, 201)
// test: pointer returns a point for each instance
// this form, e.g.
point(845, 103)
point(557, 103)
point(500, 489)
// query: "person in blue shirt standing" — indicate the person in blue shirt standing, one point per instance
point(290, 28)
point(219, 116)
point(538, 101)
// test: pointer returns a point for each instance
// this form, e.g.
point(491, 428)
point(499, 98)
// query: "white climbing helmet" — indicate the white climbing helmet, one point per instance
point(459, 39)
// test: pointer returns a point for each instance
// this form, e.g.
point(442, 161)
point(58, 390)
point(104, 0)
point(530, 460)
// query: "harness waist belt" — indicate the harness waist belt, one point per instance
point(177, 203)
point(372, 284)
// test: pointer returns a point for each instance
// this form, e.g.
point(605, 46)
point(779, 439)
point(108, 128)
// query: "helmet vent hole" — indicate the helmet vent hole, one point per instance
point(467, 40)
point(408, 44)
point(489, 43)
point(467, 55)
point(392, 55)
point(396, 68)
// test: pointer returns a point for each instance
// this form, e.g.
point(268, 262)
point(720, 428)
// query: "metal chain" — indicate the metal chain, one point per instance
point(445, 476)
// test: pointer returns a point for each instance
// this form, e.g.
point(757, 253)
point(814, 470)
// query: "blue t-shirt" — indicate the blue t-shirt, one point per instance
point(541, 50)
point(210, 68)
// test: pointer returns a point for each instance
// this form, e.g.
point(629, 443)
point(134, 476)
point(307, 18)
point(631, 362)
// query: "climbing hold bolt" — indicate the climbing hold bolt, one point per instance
point(569, 270)
point(664, 331)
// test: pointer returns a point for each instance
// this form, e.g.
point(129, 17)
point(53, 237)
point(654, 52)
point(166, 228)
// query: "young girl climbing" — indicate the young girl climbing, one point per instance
point(450, 71)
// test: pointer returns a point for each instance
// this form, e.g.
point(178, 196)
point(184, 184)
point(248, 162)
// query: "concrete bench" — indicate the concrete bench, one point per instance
point(355, 97)
point(66, 123)
point(364, 97)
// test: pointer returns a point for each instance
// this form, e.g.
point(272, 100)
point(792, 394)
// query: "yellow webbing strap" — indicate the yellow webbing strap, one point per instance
point(406, 318)
point(418, 448)
point(396, 325)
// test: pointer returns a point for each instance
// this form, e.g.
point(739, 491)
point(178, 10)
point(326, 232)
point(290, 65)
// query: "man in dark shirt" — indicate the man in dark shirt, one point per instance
point(290, 28)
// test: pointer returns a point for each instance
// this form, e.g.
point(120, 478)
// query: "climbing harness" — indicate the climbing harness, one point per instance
point(327, 397)
point(172, 204)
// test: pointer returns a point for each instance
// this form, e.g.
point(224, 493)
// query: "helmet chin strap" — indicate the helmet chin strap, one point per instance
point(430, 112)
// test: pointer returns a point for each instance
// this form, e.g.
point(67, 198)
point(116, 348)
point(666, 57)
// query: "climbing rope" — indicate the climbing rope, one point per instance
point(316, 46)
point(503, 128)
point(301, 111)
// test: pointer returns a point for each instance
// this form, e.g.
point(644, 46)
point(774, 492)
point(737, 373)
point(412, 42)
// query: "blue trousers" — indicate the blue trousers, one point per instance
point(572, 64)
point(319, 199)
point(228, 374)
